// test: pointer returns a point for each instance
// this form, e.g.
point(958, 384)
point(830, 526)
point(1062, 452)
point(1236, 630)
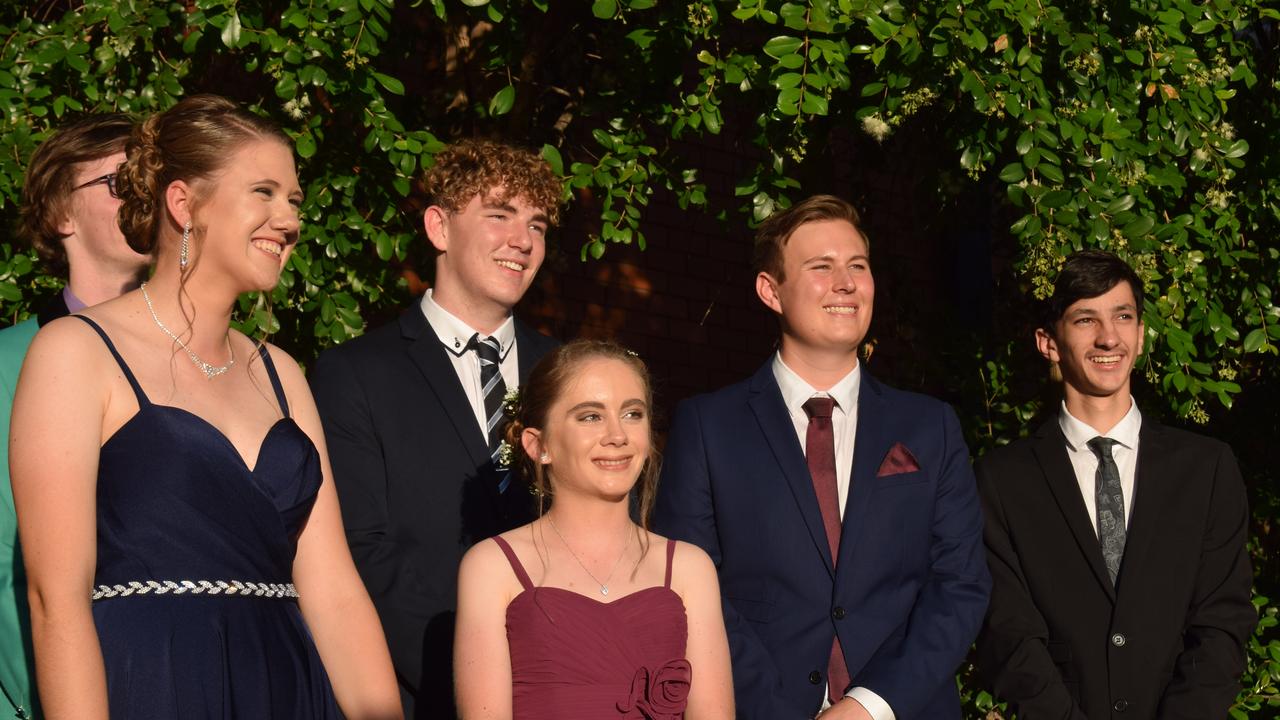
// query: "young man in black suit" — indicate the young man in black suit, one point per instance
point(1116, 545)
point(412, 410)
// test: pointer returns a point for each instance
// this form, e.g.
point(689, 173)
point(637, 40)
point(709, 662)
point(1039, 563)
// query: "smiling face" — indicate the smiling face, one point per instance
point(249, 214)
point(490, 251)
point(825, 302)
point(1095, 343)
point(597, 435)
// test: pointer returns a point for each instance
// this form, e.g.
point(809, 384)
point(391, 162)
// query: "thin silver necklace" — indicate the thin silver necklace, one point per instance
point(210, 371)
point(604, 586)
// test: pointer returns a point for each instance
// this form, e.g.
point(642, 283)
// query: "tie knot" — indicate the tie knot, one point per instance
point(819, 407)
point(488, 349)
point(1101, 446)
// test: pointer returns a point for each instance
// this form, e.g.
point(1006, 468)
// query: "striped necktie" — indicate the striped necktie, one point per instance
point(489, 350)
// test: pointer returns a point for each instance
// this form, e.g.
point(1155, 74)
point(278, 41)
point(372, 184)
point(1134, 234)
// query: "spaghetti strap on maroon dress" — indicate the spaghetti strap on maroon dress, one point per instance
point(573, 656)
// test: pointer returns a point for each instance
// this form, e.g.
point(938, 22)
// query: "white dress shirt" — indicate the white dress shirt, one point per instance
point(844, 424)
point(1085, 463)
point(455, 335)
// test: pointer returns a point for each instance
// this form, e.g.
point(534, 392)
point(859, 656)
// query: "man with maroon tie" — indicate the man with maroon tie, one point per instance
point(841, 513)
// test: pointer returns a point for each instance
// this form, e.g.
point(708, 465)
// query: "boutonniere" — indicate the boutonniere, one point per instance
point(898, 461)
point(510, 408)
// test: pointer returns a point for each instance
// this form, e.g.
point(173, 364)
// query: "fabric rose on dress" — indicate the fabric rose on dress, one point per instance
point(660, 694)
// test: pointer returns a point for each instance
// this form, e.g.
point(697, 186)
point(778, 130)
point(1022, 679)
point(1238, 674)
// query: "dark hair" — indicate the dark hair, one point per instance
point(190, 141)
point(475, 167)
point(1088, 274)
point(773, 233)
point(546, 384)
point(51, 176)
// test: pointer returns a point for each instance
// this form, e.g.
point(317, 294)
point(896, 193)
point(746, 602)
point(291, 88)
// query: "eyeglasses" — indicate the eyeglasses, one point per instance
point(109, 180)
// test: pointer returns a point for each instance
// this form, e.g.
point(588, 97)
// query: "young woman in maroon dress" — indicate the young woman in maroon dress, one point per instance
point(584, 613)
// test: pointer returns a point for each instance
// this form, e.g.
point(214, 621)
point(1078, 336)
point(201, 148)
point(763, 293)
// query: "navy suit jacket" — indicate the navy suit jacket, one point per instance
point(910, 585)
point(417, 487)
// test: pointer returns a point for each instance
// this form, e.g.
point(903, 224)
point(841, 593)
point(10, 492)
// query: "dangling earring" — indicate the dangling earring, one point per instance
point(182, 251)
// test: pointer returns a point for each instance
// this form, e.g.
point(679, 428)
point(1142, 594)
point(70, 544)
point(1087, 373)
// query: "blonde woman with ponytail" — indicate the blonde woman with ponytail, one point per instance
point(181, 534)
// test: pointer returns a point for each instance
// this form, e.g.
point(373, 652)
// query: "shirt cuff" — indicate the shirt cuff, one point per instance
point(874, 704)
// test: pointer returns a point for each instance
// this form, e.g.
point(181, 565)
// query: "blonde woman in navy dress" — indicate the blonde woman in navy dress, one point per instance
point(182, 538)
point(584, 613)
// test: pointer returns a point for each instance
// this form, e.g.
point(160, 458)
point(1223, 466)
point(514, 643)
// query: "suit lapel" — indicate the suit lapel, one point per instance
point(1050, 448)
point(433, 361)
point(1151, 492)
point(766, 403)
point(870, 445)
point(528, 349)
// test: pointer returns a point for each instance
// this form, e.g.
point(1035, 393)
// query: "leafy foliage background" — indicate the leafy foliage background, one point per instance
point(1142, 127)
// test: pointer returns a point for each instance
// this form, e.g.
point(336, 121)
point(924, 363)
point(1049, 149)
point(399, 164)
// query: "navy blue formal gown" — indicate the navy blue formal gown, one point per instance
point(193, 600)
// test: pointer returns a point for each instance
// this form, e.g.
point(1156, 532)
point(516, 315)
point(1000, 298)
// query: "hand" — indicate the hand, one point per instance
point(846, 709)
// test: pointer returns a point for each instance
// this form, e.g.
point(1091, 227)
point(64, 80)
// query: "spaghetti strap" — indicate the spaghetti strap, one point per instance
point(671, 553)
point(515, 563)
point(128, 374)
point(275, 379)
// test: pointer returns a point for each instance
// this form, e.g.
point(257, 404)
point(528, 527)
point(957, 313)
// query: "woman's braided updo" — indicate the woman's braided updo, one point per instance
point(190, 141)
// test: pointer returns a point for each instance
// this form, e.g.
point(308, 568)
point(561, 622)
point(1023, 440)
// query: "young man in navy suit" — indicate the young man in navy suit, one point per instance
point(412, 410)
point(1117, 545)
point(841, 513)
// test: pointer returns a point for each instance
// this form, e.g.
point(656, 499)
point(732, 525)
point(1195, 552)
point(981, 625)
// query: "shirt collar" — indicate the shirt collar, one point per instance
point(455, 334)
point(1078, 433)
point(795, 391)
point(74, 304)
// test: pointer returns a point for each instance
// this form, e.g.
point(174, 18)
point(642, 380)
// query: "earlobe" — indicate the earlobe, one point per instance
point(436, 224)
point(767, 291)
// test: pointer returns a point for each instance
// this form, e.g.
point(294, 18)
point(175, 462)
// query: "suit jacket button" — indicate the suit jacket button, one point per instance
point(838, 613)
point(815, 677)
point(1121, 705)
point(1118, 640)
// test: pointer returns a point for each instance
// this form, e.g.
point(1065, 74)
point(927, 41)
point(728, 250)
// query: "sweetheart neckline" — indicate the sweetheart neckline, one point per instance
point(602, 603)
point(226, 441)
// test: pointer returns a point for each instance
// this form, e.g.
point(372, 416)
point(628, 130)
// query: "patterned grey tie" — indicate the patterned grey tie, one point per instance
point(1110, 501)
point(489, 350)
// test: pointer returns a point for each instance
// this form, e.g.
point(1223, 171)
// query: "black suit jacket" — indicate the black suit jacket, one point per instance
point(1168, 641)
point(417, 487)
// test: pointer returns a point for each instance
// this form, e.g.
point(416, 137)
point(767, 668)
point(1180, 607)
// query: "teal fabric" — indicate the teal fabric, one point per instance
point(16, 677)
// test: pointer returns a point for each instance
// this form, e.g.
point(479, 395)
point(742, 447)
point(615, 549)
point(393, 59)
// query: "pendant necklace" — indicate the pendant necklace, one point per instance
point(604, 586)
point(210, 371)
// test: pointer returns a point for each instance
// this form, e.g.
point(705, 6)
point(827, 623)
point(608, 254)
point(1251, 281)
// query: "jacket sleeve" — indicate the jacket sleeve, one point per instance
point(685, 510)
point(355, 454)
point(1012, 651)
point(1206, 675)
point(948, 610)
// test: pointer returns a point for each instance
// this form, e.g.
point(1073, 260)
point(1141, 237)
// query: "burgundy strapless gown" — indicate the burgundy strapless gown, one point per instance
point(575, 657)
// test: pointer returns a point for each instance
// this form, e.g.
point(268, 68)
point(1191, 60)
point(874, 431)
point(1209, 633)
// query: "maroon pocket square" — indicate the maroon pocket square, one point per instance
point(898, 461)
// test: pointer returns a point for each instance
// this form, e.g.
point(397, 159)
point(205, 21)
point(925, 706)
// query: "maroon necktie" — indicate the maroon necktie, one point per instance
point(820, 453)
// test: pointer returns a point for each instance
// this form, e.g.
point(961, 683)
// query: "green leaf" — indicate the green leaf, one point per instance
point(1012, 173)
point(391, 84)
point(552, 156)
point(604, 9)
point(1255, 340)
point(782, 45)
point(305, 145)
point(503, 101)
point(231, 31)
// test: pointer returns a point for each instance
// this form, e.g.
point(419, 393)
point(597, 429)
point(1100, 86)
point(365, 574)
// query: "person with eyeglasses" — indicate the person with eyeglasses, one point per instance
point(68, 215)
